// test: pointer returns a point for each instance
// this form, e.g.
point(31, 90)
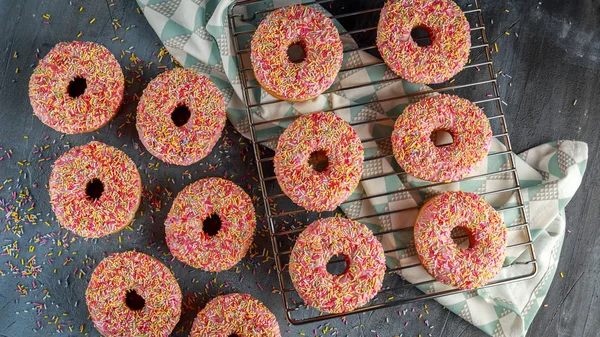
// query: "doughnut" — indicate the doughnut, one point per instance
point(211, 224)
point(325, 136)
point(180, 116)
point(442, 258)
point(133, 294)
point(302, 26)
point(95, 190)
point(235, 315)
point(415, 151)
point(449, 32)
point(356, 285)
point(78, 87)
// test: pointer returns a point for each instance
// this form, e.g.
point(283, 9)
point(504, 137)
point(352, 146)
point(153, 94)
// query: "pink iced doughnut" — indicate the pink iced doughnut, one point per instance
point(211, 224)
point(463, 268)
point(449, 32)
point(133, 294)
point(78, 87)
point(365, 265)
point(415, 151)
point(95, 189)
point(180, 116)
point(235, 315)
point(327, 135)
point(318, 37)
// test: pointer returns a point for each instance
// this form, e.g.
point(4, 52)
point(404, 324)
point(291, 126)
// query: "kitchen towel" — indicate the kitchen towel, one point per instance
point(196, 34)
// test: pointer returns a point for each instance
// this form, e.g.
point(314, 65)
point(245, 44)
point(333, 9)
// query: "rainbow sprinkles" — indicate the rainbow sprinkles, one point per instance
point(321, 44)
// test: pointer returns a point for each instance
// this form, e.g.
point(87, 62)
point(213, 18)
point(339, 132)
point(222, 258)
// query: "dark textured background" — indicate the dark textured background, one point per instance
point(554, 61)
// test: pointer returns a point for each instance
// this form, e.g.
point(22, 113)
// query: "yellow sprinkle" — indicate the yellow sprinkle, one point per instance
point(507, 11)
point(562, 275)
point(79, 35)
point(17, 70)
point(46, 16)
point(81, 9)
point(507, 33)
point(26, 137)
point(15, 55)
point(92, 20)
point(575, 102)
point(496, 46)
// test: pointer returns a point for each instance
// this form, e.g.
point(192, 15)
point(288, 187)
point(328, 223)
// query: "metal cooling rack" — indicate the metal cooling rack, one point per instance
point(477, 82)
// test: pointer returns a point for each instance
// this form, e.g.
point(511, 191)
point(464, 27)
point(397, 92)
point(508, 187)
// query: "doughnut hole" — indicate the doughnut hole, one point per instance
point(94, 189)
point(338, 264)
point(77, 87)
point(134, 301)
point(181, 115)
point(459, 234)
point(441, 138)
point(296, 52)
point(212, 225)
point(422, 36)
point(318, 160)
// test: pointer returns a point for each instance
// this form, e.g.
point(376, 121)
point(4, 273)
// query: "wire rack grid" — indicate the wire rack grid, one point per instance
point(477, 82)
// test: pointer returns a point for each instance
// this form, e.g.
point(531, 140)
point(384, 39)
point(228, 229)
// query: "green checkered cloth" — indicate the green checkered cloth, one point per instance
point(196, 34)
